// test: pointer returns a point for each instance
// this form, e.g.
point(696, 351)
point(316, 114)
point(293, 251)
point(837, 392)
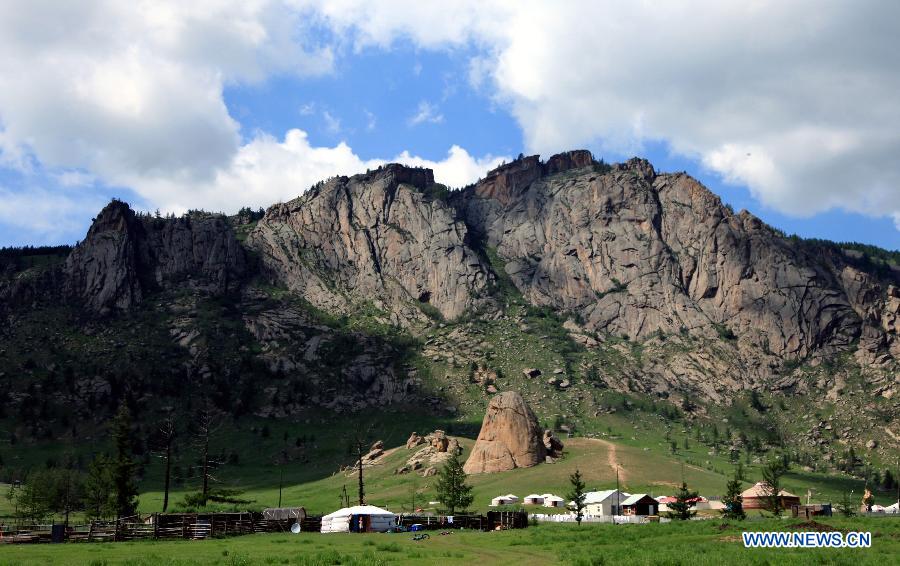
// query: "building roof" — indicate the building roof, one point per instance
point(592, 497)
point(359, 510)
point(759, 489)
point(632, 500)
point(670, 499)
point(551, 497)
point(534, 496)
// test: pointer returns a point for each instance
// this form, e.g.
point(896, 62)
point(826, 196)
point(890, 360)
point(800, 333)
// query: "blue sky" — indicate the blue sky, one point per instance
point(253, 103)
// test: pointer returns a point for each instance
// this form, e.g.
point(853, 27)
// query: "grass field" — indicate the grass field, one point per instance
point(694, 543)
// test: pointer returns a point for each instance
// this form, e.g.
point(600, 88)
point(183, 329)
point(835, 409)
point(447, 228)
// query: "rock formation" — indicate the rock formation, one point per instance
point(438, 447)
point(377, 237)
point(510, 437)
point(553, 445)
point(631, 256)
point(124, 257)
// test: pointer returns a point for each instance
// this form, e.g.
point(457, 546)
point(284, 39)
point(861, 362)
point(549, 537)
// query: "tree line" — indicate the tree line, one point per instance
point(106, 488)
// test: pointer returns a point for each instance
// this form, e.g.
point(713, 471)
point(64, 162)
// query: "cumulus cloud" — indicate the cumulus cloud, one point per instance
point(135, 88)
point(41, 215)
point(267, 170)
point(796, 100)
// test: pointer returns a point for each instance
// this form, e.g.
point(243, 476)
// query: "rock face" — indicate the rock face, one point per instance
point(123, 257)
point(635, 253)
point(510, 437)
point(377, 237)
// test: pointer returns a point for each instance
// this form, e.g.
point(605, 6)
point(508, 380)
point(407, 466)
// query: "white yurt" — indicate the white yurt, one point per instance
point(551, 500)
point(359, 519)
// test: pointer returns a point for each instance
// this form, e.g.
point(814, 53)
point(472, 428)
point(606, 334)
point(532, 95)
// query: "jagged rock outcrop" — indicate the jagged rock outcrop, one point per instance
point(125, 256)
point(377, 237)
point(635, 252)
point(510, 437)
point(437, 449)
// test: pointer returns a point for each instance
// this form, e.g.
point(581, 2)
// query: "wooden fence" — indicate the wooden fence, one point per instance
point(492, 521)
point(158, 526)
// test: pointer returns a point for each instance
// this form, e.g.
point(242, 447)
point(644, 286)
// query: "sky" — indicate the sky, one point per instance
point(786, 109)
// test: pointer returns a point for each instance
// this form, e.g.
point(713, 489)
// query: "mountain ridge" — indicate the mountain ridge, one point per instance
point(387, 287)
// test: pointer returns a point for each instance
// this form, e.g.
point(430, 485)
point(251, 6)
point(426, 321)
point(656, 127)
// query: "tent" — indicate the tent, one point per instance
point(551, 500)
point(508, 499)
point(359, 519)
point(533, 499)
point(756, 497)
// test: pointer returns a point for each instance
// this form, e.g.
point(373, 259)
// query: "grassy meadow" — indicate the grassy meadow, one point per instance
point(694, 543)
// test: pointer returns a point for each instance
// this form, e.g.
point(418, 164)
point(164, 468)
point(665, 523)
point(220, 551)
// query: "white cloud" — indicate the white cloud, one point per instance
point(797, 100)
point(42, 216)
point(426, 113)
point(332, 123)
point(135, 88)
point(807, 88)
point(266, 170)
point(371, 121)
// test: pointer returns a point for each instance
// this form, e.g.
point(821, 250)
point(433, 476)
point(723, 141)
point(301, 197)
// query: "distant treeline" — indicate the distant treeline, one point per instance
point(27, 251)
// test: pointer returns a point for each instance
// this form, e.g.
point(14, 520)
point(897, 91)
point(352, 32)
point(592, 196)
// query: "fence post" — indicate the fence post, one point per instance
point(156, 526)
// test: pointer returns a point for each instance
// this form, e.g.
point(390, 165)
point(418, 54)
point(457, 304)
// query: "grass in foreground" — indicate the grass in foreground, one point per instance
point(696, 542)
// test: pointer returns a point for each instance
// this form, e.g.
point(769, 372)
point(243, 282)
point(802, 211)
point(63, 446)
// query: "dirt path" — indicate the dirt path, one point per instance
point(891, 434)
point(612, 458)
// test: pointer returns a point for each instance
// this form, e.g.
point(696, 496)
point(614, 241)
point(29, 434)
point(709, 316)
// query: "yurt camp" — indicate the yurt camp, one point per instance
point(359, 519)
point(756, 497)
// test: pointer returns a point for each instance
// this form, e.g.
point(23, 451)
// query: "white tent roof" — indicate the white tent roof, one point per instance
point(551, 497)
point(534, 496)
point(358, 510)
point(510, 496)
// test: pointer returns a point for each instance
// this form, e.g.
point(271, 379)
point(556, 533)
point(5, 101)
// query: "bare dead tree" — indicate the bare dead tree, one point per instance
point(359, 443)
point(164, 441)
point(206, 426)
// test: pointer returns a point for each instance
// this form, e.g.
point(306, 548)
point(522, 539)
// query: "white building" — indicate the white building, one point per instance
point(551, 500)
point(508, 499)
point(359, 519)
point(607, 502)
point(533, 499)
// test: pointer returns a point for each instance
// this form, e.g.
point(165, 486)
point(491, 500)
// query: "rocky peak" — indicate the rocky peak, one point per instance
point(505, 183)
point(643, 168)
point(102, 271)
point(565, 161)
point(124, 256)
point(396, 173)
point(373, 237)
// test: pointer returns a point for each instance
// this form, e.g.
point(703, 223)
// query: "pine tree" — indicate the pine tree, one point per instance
point(124, 466)
point(98, 489)
point(734, 502)
point(845, 507)
point(772, 473)
point(452, 491)
point(887, 480)
point(685, 500)
point(577, 495)
point(32, 498)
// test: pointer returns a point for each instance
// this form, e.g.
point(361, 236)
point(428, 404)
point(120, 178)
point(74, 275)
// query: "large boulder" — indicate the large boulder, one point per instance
point(510, 437)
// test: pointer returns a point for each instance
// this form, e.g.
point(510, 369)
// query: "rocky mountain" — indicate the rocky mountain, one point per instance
point(387, 287)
